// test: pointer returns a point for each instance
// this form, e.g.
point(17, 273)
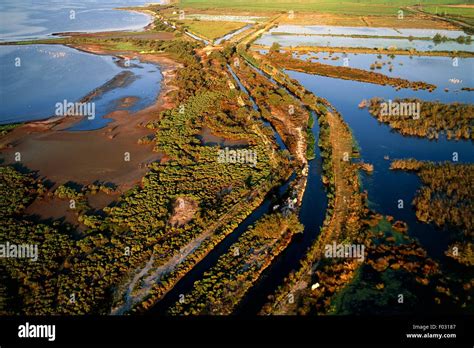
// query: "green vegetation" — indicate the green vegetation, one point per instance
point(366, 50)
point(87, 274)
point(7, 128)
point(445, 199)
point(92, 272)
point(275, 47)
point(224, 285)
point(438, 38)
point(282, 110)
point(343, 223)
point(395, 265)
point(37, 282)
point(310, 139)
point(178, 49)
point(461, 13)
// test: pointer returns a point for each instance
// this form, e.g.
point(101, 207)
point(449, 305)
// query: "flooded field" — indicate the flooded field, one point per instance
point(331, 36)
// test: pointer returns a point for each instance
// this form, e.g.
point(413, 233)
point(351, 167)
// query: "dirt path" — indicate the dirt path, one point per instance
point(134, 296)
point(341, 144)
point(450, 20)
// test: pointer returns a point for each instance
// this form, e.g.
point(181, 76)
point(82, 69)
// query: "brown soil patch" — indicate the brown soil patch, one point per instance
point(128, 102)
point(184, 209)
point(52, 208)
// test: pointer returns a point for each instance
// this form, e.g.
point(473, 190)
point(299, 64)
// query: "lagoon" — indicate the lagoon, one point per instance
point(33, 19)
point(386, 187)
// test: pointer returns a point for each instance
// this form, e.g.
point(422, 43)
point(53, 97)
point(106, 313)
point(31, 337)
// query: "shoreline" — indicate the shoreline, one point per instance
point(102, 52)
point(116, 137)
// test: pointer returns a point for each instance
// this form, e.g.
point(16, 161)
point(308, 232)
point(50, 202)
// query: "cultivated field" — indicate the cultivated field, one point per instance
point(353, 7)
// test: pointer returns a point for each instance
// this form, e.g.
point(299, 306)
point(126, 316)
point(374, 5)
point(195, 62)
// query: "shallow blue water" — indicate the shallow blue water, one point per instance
point(28, 19)
point(332, 30)
point(386, 187)
point(50, 74)
point(334, 41)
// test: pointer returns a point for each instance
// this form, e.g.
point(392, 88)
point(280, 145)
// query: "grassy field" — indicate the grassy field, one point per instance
point(354, 7)
point(465, 14)
point(212, 29)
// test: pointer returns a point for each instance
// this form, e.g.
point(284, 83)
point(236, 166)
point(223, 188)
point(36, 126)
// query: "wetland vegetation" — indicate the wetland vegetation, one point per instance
point(121, 249)
point(433, 118)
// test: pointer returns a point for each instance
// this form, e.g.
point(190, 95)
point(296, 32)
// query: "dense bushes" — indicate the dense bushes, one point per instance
point(87, 275)
point(454, 120)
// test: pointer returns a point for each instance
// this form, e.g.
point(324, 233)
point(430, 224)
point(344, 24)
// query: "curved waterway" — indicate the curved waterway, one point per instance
point(278, 138)
point(385, 187)
point(34, 19)
point(376, 141)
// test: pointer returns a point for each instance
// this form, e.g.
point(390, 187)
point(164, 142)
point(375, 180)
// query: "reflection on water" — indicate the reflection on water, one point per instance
point(50, 74)
point(331, 30)
point(226, 18)
point(332, 41)
point(29, 19)
point(415, 68)
point(46, 75)
point(143, 84)
point(376, 141)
